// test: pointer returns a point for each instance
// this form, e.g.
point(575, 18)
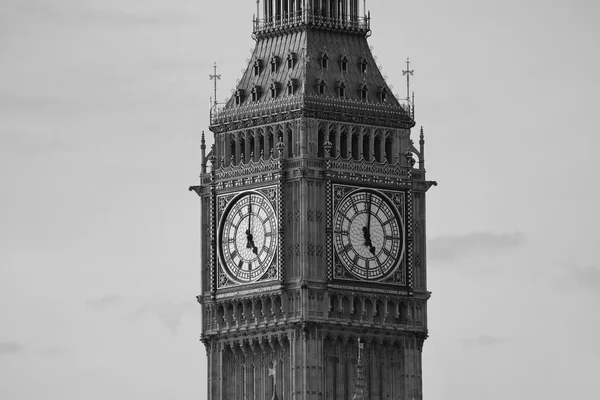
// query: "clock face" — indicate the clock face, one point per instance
point(368, 235)
point(247, 237)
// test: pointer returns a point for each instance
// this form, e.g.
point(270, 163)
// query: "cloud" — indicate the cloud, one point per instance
point(55, 352)
point(452, 248)
point(578, 277)
point(482, 341)
point(8, 348)
point(100, 304)
point(168, 313)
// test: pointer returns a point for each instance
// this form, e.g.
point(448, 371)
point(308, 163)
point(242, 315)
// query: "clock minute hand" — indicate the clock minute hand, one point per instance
point(367, 229)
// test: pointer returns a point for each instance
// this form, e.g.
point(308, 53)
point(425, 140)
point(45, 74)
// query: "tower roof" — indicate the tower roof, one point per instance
point(314, 62)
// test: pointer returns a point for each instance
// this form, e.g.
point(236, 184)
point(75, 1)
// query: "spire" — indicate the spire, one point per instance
point(408, 73)
point(359, 386)
point(422, 150)
point(203, 154)
point(214, 77)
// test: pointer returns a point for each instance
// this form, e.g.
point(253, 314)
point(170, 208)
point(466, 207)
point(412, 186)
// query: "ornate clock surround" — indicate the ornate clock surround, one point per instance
point(400, 199)
point(224, 202)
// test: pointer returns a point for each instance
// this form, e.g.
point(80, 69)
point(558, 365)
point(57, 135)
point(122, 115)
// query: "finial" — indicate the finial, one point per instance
point(327, 145)
point(215, 77)
point(213, 158)
point(280, 147)
point(409, 158)
point(202, 154)
point(422, 149)
point(408, 72)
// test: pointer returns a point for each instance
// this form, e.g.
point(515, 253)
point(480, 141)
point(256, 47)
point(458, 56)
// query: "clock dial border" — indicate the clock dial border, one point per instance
point(232, 202)
point(395, 201)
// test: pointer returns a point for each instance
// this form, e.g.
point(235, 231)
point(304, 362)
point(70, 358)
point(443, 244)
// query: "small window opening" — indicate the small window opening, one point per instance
point(324, 61)
point(344, 64)
point(383, 95)
point(291, 60)
point(239, 97)
point(257, 67)
point(274, 62)
point(290, 87)
point(363, 93)
point(342, 90)
point(255, 93)
point(363, 66)
point(322, 87)
point(273, 89)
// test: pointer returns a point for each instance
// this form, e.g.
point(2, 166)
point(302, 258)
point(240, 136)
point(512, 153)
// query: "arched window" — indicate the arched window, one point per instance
point(377, 148)
point(321, 86)
point(383, 95)
point(257, 66)
point(320, 142)
point(239, 97)
point(341, 90)
point(274, 62)
point(255, 93)
point(231, 151)
point(366, 147)
point(363, 93)
point(363, 65)
point(274, 89)
point(332, 140)
point(324, 61)
point(355, 146)
point(344, 64)
point(291, 60)
point(388, 150)
point(251, 156)
point(291, 85)
point(344, 145)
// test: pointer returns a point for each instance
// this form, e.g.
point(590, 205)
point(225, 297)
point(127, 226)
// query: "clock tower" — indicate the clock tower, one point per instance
point(313, 259)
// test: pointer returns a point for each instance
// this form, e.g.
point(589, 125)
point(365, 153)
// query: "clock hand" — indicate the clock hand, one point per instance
point(249, 239)
point(369, 212)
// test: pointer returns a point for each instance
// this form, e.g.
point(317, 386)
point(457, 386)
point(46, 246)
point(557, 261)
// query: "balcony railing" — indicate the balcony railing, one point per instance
point(292, 20)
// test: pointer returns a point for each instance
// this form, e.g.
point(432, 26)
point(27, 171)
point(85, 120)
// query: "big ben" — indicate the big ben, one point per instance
point(313, 256)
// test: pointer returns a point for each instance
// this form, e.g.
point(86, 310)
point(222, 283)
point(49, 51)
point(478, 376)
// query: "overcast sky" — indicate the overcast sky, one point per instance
point(102, 103)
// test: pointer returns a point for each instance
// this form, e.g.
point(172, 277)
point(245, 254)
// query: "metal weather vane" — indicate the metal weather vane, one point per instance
point(214, 77)
point(408, 72)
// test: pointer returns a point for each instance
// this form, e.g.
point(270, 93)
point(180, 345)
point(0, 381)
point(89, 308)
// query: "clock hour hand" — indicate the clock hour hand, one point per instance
point(250, 242)
point(368, 242)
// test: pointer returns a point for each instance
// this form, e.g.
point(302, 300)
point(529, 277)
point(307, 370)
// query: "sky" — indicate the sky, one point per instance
point(102, 104)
